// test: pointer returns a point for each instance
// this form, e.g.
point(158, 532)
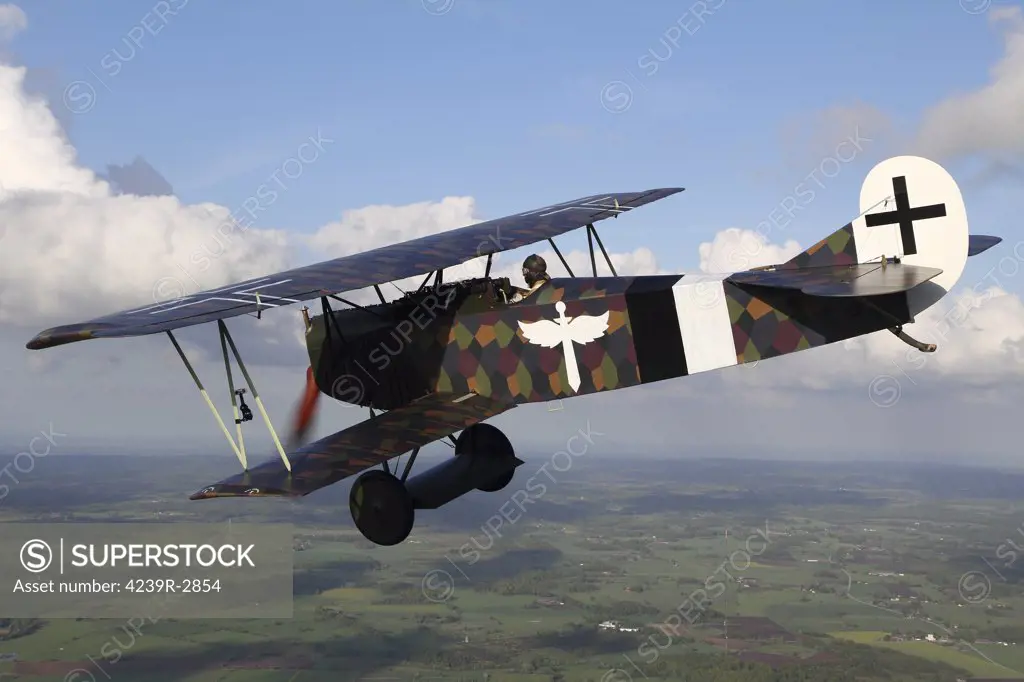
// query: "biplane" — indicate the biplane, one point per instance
point(438, 362)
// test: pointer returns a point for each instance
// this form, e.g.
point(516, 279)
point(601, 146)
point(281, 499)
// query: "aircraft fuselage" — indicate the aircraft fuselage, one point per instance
point(612, 333)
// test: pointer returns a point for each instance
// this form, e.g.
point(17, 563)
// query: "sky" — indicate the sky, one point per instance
point(131, 131)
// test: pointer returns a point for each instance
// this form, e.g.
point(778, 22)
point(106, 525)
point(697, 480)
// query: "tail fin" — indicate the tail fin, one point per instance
point(911, 209)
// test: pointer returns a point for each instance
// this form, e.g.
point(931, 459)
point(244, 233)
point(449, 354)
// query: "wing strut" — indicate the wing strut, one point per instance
point(235, 395)
point(209, 403)
point(239, 448)
point(255, 396)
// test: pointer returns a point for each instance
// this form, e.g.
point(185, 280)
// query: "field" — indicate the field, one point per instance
point(742, 570)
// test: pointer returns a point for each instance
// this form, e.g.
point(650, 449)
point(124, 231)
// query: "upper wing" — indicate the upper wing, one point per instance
point(359, 447)
point(864, 279)
point(357, 271)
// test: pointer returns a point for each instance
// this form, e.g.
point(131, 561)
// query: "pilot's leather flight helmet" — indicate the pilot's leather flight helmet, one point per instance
point(534, 270)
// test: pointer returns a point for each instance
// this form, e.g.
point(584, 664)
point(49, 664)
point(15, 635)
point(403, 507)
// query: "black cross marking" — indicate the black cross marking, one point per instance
point(905, 216)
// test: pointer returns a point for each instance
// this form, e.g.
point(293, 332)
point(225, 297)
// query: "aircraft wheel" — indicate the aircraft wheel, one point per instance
point(484, 440)
point(381, 508)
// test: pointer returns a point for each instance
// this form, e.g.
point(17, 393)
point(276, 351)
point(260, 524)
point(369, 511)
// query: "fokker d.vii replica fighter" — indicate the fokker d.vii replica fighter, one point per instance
point(443, 359)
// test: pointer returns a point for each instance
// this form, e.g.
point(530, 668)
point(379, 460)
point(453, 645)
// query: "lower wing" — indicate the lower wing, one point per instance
point(359, 447)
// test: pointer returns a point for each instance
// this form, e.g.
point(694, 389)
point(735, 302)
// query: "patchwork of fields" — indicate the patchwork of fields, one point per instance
point(684, 573)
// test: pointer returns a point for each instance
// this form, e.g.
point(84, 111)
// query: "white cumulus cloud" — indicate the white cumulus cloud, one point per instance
point(735, 249)
point(74, 247)
point(987, 120)
point(12, 21)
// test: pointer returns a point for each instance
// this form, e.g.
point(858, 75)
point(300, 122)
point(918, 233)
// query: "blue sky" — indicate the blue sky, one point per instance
point(501, 100)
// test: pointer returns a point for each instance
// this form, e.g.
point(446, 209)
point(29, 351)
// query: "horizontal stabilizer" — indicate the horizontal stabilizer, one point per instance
point(980, 243)
point(864, 279)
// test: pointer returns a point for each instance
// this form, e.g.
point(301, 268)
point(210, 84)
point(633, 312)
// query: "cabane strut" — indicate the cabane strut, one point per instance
point(591, 236)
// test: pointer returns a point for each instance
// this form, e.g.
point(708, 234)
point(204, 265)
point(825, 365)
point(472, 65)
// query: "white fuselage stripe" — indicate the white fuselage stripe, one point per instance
point(704, 322)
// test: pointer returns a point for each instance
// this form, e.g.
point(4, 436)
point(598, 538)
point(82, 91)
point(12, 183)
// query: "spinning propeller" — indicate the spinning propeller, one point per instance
point(305, 413)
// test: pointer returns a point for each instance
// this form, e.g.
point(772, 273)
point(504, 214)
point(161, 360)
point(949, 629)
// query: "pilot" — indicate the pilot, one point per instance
point(535, 272)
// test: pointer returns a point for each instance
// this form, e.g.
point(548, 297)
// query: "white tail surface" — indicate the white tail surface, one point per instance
point(912, 209)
